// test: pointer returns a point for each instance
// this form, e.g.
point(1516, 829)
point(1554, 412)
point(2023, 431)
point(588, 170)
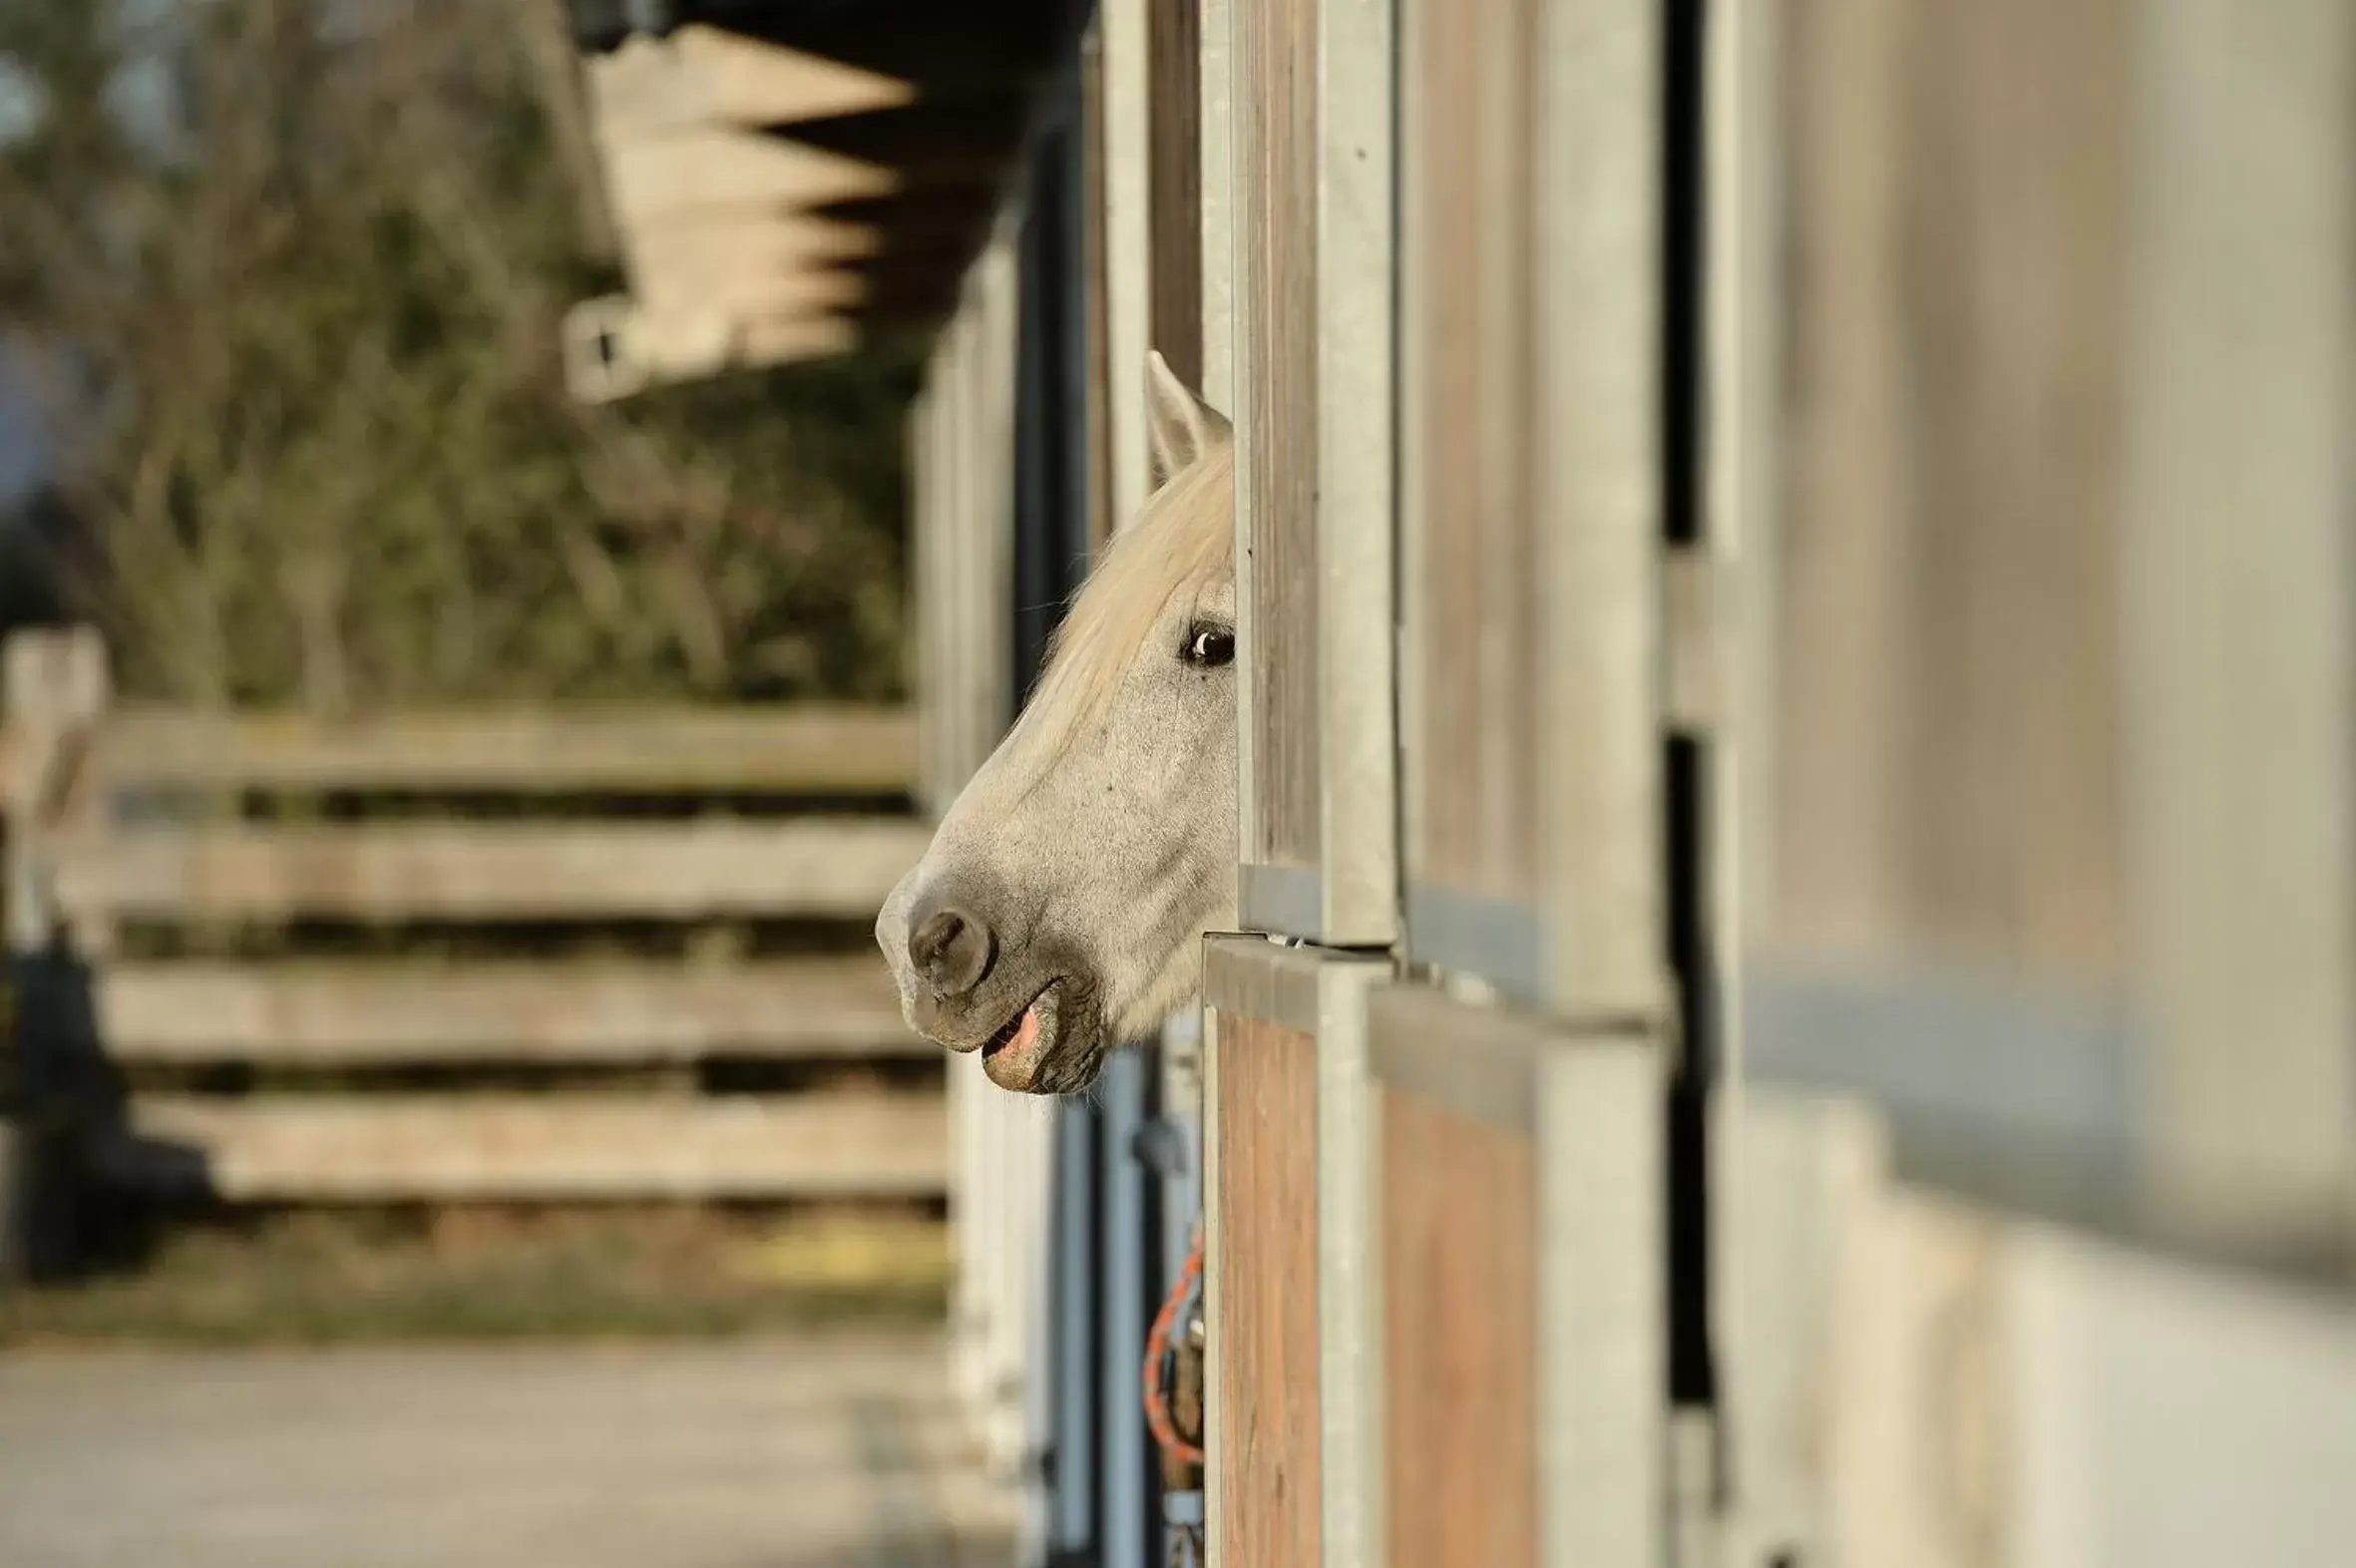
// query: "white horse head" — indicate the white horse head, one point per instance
point(1061, 908)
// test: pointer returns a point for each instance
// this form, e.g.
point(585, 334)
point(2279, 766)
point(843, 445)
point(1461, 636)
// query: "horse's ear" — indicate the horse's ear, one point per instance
point(1184, 426)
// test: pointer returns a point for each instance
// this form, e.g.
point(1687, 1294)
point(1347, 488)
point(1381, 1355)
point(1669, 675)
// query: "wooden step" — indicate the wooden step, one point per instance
point(840, 868)
point(362, 1014)
point(811, 750)
point(537, 1148)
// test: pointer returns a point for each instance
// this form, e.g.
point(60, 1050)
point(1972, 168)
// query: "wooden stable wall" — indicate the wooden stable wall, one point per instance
point(1295, 1471)
point(1795, 753)
point(1872, 644)
point(2055, 745)
point(963, 471)
point(2046, 894)
point(1503, 1232)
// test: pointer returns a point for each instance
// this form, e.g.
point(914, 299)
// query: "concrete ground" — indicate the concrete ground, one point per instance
point(834, 1450)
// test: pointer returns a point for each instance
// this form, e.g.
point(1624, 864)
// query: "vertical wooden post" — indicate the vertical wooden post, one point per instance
point(57, 690)
point(54, 684)
point(1602, 1374)
point(2241, 484)
point(1357, 418)
point(1314, 135)
point(1217, 81)
point(1126, 153)
point(962, 444)
point(1599, 321)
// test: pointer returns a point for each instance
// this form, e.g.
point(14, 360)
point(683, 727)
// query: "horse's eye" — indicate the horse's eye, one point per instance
point(1208, 647)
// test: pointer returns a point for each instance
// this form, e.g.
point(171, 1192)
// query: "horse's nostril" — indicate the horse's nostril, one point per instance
point(951, 950)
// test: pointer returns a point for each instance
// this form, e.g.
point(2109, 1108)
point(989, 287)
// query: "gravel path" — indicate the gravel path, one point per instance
point(829, 1451)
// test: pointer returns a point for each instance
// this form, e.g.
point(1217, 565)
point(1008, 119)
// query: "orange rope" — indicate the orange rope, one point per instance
point(1157, 1350)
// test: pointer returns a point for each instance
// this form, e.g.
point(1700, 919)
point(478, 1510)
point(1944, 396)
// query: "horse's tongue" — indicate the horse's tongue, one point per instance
point(1010, 1066)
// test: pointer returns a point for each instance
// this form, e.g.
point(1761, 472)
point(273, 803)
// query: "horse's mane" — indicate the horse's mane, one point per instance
point(1183, 542)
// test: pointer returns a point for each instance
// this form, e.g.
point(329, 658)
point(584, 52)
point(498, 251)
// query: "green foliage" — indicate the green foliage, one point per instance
point(300, 313)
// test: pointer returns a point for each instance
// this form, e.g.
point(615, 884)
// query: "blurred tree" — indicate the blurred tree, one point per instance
point(295, 270)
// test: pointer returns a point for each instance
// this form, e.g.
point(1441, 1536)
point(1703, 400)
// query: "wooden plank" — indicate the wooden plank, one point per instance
point(317, 1015)
point(390, 1148)
point(964, 556)
point(55, 689)
point(2242, 505)
point(748, 265)
point(1947, 637)
point(1459, 1295)
point(1355, 381)
point(1320, 995)
point(1275, 337)
point(1470, 581)
point(683, 285)
point(1531, 505)
point(486, 871)
point(1130, 259)
point(1313, 124)
point(1603, 1308)
point(771, 243)
point(1560, 1326)
point(1216, 21)
point(1266, 1454)
point(814, 749)
point(701, 75)
point(1598, 490)
point(710, 169)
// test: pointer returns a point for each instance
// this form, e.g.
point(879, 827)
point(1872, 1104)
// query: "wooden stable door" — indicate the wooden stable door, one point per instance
point(1291, 1285)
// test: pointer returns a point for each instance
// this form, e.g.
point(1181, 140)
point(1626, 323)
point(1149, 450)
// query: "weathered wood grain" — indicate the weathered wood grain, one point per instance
point(1945, 724)
point(1264, 1380)
point(481, 870)
point(1468, 448)
point(1459, 1385)
point(573, 1147)
point(1314, 116)
point(816, 748)
point(329, 1015)
point(1274, 122)
point(1525, 1251)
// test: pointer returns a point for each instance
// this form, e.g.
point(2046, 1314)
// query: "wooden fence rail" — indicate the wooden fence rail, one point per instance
point(341, 1013)
point(124, 820)
point(813, 750)
point(450, 871)
point(540, 1147)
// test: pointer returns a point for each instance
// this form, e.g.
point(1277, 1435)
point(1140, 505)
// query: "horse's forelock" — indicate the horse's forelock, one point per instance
point(1184, 543)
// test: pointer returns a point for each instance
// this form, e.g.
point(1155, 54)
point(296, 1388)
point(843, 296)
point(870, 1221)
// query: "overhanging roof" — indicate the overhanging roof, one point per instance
point(785, 177)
